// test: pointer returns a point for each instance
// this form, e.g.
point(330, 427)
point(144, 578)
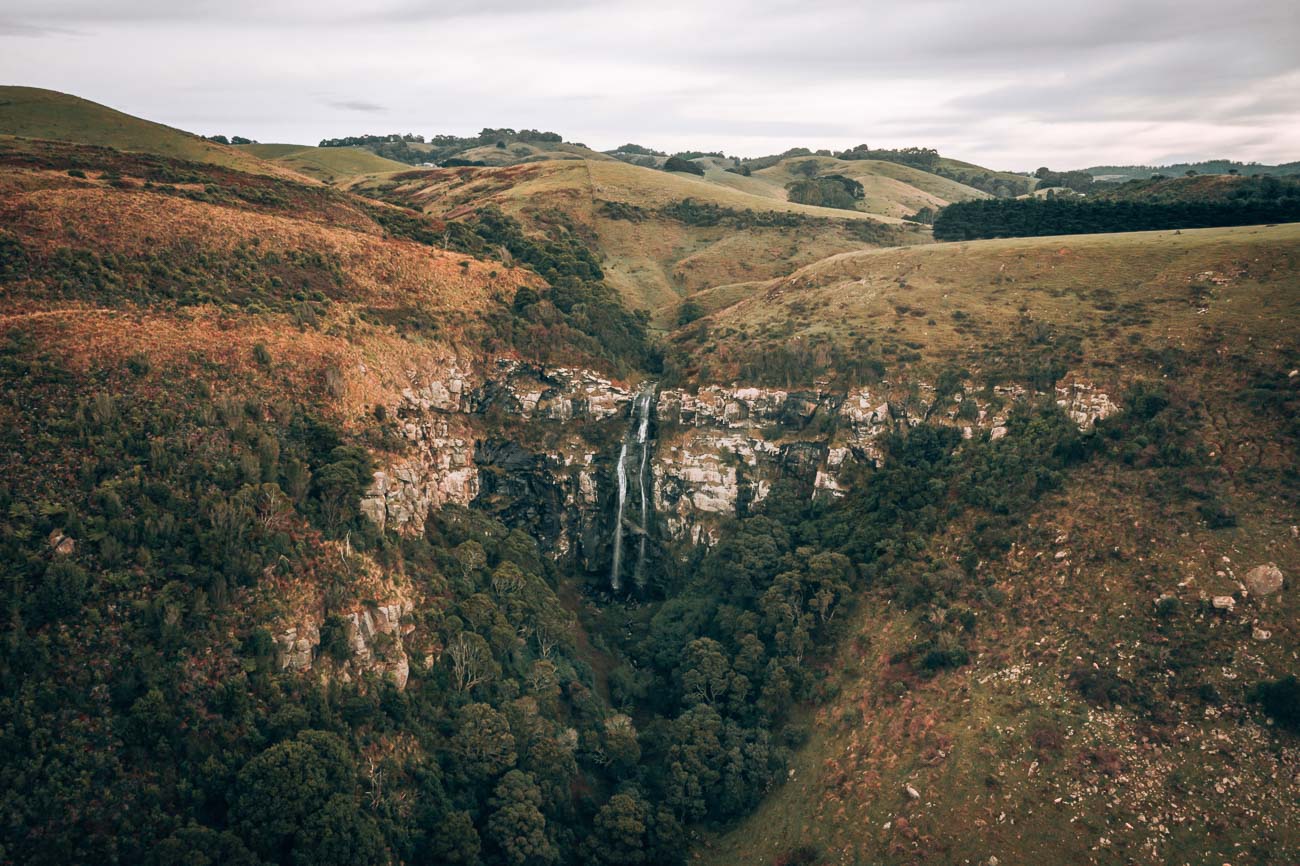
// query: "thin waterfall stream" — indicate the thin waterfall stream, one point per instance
point(614, 581)
point(641, 409)
point(647, 397)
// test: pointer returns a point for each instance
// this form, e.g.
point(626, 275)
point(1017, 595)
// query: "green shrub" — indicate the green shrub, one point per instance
point(1281, 700)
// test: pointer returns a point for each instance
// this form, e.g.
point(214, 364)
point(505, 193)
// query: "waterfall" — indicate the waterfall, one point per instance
point(614, 582)
point(642, 435)
point(641, 408)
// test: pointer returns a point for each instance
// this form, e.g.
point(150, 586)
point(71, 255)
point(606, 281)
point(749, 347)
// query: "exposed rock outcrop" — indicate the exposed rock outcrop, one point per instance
point(1263, 579)
point(376, 639)
point(374, 635)
point(437, 470)
point(296, 647)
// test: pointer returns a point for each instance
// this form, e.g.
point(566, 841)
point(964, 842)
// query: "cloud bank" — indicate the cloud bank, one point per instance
point(1006, 83)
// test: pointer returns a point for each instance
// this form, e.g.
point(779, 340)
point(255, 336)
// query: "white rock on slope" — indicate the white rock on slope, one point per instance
point(1263, 579)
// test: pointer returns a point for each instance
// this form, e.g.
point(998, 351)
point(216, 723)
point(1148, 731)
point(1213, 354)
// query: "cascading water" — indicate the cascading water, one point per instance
point(614, 582)
point(641, 408)
point(642, 436)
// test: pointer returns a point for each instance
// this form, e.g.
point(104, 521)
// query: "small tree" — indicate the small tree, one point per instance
point(471, 661)
point(517, 825)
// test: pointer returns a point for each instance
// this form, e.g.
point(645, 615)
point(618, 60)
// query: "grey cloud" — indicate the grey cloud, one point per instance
point(19, 28)
point(356, 105)
point(1006, 81)
point(300, 13)
point(432, 11)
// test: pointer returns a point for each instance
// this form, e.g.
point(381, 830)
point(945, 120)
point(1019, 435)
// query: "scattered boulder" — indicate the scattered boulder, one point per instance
point(1261, 633)
point(1264, 579)
point(912, 793)
point(1224, 602)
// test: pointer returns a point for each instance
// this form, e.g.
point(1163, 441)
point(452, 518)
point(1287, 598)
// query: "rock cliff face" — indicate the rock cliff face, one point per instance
point(374, 635)
point(438, 469)
point(538, 446)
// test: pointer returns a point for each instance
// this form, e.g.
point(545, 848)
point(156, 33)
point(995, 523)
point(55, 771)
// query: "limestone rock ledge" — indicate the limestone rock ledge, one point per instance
point(375, 640)
point(717, 452)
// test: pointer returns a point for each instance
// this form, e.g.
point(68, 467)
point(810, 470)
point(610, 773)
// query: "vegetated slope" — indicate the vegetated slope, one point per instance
point(968, 173)
point(334, 165)
point(101, 228)
point(31, 112)
point(661, 235)
point(1219, 188)
point(196, 370)
point(1058, 687)
point(99, 242)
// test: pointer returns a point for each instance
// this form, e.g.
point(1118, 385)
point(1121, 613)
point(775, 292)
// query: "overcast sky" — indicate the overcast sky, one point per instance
point(1003, 83)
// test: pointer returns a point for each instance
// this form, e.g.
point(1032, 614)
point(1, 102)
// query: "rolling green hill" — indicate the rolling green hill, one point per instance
point(31, 112)
point(661, 235)
point(334, 165)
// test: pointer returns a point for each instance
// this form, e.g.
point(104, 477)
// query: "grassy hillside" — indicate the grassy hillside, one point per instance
point(890, 189)
point(1105, 714)
point(217, 260)
point(656, 250)
point(30, 112)
point(1126, 294)
point(335, 165)
point(230, 238)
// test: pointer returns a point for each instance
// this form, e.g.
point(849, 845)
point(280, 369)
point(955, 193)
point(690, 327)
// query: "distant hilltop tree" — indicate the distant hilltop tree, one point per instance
point(417, 150)
point(234, 139)
point(507, 134)
point(638, 150)
point(1119, 173)
point(677, 163)
point(832, 190)
point(924, 158)
point(364, 140)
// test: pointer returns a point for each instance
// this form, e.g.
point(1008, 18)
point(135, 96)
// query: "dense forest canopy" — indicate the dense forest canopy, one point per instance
point(1004, 218)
